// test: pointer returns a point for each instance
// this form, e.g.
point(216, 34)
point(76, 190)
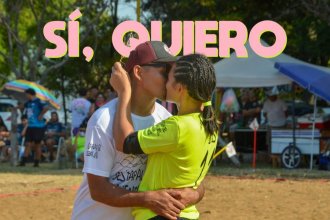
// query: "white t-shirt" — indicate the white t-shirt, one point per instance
point(102, 159)
point(80, 109)
point(275, 112)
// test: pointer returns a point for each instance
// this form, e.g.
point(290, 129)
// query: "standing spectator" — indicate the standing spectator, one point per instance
point(110, 94)
point(100, 101)
point(251, 109)
point(21, 129)
point(54, 130)
point(92, 94)
point(35, 110)
point(81, 108)
point(275, 109)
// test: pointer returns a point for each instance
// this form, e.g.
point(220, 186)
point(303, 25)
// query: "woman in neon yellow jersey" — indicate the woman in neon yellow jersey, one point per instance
point(180, 148)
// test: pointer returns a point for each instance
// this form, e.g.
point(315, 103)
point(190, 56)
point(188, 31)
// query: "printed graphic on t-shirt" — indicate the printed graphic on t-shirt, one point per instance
point(79, 107)
point(128, 171)
point(29, 113)
point(93, 150)
point(158, 129)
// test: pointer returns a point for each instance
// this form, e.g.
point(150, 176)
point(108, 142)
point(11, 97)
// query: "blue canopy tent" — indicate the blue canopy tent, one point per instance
point(313, 79)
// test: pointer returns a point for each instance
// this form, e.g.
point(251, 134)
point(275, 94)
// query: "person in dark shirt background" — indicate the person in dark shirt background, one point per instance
point(54, 130)
point(251, 108)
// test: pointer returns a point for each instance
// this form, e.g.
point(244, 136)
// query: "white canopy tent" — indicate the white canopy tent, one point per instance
point(254, 71)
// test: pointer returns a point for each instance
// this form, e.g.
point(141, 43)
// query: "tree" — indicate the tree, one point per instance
point(306, 22)
point(23, 43)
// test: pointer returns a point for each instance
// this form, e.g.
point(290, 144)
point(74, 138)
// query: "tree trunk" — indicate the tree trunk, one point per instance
point(13, 137)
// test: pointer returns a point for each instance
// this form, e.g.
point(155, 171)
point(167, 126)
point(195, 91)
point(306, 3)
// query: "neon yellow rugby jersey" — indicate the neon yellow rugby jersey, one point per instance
point(179, 155)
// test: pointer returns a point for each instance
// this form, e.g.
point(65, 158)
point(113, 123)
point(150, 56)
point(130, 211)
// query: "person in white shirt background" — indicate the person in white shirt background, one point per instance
point(80, 109)
point(275, 109)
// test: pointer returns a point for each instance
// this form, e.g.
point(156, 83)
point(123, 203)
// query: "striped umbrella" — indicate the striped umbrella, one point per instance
point(16, 89)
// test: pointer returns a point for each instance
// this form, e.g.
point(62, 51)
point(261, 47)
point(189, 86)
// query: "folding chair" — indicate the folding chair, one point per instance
point(62, 153)
point(21, 149)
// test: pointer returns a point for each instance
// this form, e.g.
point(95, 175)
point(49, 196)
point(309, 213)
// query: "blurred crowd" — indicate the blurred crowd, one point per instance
point(37, 139)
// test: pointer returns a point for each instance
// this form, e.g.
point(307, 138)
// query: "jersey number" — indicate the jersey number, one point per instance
point(203, 164)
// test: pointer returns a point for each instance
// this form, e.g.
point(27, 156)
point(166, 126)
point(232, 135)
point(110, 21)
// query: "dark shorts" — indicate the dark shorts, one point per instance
point(34, 134)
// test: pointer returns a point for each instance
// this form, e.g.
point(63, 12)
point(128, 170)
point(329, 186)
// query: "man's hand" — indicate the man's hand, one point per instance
point(188, 196)
point(120, 80)
point(164, 203)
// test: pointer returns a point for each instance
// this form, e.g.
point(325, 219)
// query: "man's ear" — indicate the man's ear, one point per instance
point(137, 72)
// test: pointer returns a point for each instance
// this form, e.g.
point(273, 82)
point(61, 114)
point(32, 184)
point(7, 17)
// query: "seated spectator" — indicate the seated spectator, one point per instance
point(79, 141)
point(54, 130)
point(4, 143)
point(2, 124)
point(21, 129)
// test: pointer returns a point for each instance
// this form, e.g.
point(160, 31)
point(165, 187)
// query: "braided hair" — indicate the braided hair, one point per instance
point(197, 73)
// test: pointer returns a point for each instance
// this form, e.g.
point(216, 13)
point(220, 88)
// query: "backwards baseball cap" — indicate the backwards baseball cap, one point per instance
point(149, 52)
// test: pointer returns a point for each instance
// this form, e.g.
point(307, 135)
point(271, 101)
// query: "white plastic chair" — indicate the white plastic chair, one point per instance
point(21, 149)
point(62, 153)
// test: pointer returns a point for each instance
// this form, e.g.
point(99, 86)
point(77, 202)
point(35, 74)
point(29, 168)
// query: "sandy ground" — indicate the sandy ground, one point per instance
point(30, 196)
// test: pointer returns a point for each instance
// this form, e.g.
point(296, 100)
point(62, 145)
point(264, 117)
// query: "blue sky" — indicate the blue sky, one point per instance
point(127, 10)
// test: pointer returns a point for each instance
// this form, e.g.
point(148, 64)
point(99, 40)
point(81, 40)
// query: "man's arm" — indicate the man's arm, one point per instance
point(44, 110)
point(122, 122)
point(161, 202)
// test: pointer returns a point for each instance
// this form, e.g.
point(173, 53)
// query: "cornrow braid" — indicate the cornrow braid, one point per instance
point(197, 73)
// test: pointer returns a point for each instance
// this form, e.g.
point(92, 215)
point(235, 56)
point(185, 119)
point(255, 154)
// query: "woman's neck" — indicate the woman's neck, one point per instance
point(188, 105)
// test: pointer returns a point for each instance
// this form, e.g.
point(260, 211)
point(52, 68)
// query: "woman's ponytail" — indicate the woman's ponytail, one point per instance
point(209, 120)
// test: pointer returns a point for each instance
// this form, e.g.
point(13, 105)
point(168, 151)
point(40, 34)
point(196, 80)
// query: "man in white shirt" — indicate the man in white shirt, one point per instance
point(111, 178)
point(275, 109)
point(80, 110)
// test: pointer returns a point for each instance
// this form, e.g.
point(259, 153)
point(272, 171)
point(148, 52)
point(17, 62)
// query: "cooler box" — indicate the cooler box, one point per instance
point(281, 138)
point(322, 121)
